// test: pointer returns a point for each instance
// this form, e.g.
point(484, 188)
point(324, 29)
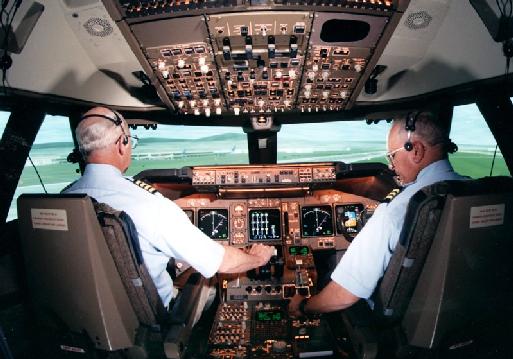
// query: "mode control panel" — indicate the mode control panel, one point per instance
point(262, 175)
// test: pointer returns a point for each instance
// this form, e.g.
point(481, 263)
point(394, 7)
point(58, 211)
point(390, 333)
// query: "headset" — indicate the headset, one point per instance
point(411, 118)
point(115, 120)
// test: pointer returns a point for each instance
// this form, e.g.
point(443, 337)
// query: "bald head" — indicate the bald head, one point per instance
point(102, 138)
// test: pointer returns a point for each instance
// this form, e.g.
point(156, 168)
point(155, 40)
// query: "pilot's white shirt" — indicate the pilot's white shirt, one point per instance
point(367, 257)
point(164, 229)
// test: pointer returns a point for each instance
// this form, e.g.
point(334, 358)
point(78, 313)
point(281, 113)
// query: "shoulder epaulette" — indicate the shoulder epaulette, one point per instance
point(145, 186)
point(389, 197)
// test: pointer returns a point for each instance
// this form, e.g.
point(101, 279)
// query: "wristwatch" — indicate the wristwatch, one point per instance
point(302, 306)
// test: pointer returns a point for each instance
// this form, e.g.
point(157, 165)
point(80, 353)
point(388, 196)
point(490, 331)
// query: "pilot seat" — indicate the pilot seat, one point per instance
point(447, 292)
point(89, 287)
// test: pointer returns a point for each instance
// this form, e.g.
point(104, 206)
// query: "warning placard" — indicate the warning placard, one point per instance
point(51, 219)
point(486, 216)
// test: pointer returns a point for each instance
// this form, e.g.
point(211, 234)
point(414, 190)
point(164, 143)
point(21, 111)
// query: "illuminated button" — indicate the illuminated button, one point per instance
point(292, 74)
point(201, 61)
point(161, 65)
point(181, 64)
point(236, 111)
point(218, 110)
point(207, 111)
point(204, 69)
point(358, 68)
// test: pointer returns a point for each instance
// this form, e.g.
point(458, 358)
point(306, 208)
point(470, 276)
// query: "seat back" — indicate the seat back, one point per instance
point(71, 273)
point(452, 264)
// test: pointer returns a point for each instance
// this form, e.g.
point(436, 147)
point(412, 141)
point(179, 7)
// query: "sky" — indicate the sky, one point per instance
point(469, 128)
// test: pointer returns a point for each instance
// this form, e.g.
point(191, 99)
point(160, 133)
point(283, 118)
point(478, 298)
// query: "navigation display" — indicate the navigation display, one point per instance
point(316, 221)
point(214, 223)
point(264, 224)
point(349, 219)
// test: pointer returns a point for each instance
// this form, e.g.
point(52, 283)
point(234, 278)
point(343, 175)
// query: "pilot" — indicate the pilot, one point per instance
point(164, 230)
point(418, 145)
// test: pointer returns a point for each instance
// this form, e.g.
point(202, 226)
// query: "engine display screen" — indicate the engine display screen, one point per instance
point(349, 219)
point(214, 223)
point(264, 224)
point(269, 315)
point(316, 221)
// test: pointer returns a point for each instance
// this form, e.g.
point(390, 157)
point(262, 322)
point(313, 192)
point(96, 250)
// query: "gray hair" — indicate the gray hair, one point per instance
point(427, 128)
point(95, 133)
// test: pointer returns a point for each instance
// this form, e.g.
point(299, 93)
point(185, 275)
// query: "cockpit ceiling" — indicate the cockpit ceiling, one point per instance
point(237, 57)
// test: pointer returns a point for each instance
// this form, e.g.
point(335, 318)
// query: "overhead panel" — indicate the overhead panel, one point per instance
point(149, 8)
point(258, 57)
point(182, 59)
point(340, 49)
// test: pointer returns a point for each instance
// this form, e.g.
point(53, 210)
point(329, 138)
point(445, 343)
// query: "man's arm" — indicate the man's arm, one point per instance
point(333, 297)
point(237, 261)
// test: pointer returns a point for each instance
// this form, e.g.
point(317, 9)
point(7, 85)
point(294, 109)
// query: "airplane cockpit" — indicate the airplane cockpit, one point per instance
point(75, 281)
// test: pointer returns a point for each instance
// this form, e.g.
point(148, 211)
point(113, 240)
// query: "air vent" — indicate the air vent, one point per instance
point(418, 20)
point(96, 26)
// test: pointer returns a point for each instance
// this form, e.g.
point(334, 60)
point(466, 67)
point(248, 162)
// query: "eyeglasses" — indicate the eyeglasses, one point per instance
point(391, 155)
point(135, 139)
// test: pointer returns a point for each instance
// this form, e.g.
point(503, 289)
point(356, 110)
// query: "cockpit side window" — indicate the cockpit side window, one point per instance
point(4, 117)
point(476, 145)
point(51, 147)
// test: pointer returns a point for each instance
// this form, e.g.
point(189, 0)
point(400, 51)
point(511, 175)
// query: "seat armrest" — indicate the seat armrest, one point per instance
point(182, 316)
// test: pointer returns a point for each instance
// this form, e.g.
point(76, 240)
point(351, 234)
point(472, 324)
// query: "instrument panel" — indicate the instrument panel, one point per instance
point(322, 220)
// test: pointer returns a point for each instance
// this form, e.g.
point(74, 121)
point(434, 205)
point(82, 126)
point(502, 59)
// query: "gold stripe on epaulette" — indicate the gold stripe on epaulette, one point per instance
point(145, 186)
point(392, 195)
